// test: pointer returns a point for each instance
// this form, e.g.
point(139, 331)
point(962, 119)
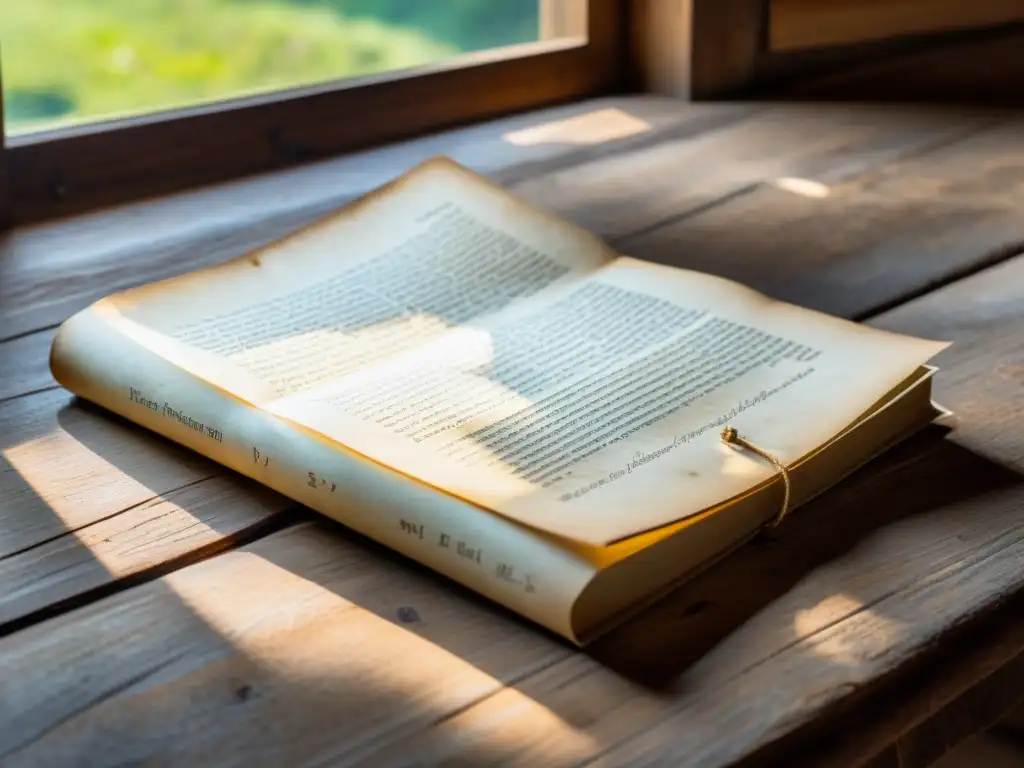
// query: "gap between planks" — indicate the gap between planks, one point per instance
point(940, 141)
point(94, 590)
point(985, 262)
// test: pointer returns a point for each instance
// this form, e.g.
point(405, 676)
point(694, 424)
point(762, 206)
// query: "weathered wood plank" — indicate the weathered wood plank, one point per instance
point(25, 364)
point(950, 728)
point(66, 465)
point(166, 531)
point(265, 642)
point(87, 499)
point(959, 69)
point(618, 195)
point(267, 677)
point(841, 660)
point(799, 24)
point(856, 246)
point(986, 749)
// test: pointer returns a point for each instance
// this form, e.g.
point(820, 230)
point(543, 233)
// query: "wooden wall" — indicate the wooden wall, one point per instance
point(803, 24)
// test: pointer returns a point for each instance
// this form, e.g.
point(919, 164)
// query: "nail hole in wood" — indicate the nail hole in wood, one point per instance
point(695, 609)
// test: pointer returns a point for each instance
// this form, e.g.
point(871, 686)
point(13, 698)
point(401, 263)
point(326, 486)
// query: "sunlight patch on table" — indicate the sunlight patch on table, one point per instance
point(833, 637)
point(802, 187)
point(597, 127)
point(65, 474)
point(513, 723)
point(309, 632)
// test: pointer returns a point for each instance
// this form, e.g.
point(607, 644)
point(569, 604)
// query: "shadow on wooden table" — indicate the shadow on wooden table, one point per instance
point(259, 654)
point(64, 471)
point(922, 475)
point(268, 635)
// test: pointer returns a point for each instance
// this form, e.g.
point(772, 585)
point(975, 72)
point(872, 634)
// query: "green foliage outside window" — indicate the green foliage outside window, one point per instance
point(83, 59)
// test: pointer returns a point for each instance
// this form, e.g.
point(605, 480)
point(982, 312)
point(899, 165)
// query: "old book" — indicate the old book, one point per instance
point(494, 392)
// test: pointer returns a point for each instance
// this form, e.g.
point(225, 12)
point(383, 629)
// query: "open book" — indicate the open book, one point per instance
point(492, 391)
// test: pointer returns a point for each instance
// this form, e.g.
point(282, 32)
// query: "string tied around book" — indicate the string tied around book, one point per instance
point(731, 437)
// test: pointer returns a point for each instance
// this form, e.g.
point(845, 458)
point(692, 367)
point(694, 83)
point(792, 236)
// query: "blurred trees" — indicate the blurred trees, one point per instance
point(469, 25)
point(98, 58)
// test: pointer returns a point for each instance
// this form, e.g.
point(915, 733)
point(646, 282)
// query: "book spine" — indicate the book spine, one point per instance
point(508, 563)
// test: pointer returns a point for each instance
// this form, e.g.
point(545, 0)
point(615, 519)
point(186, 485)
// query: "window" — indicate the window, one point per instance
point(808, 24)
point(827, 49)
point(71, 61)
point(108, 100)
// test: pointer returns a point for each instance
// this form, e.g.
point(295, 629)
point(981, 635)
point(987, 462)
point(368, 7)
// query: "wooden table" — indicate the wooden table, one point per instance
point(155, 608)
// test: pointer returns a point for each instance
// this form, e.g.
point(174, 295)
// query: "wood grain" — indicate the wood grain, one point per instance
point(25, 364)
point(267, 677)
point(797, 24)
point(155, 536)
point(623, 195)
point(67, 464)
point(993, 673)
point(311, 645)
point(856, 246)
point(727, 37)
point(88, 499)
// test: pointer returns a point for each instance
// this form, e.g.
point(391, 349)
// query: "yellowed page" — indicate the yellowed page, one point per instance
point(99, 356)
point(434, 250)
point(448, 331)
point(662, 558)
point(198, 358)
point(593, 409)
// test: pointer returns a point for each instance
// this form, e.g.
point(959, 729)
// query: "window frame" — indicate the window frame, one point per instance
point(6, 216)
point(71, 170)
point(705, 50)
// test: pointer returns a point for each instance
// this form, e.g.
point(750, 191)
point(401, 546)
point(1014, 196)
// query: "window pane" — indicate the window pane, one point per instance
point(70, 61)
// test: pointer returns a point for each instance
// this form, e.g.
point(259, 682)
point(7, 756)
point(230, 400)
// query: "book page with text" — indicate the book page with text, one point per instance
point(433, 251)
point(199, 359)
point(593, 410)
